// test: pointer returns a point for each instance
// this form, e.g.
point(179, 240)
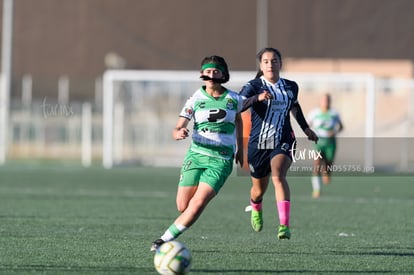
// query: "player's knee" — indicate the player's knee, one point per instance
point(257, 192)
point(278, 180)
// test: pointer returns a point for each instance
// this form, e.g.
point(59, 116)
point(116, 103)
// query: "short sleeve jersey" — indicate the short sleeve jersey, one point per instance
point(271, 119)
point(214, 132)
point(323, 122)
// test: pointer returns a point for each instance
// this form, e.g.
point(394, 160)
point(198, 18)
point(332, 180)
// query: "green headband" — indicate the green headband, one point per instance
point(213, 65)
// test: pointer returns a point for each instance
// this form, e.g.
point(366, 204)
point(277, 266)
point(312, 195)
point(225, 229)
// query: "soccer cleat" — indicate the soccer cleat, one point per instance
point(156, 244)
point(284, 232)
point(316, 194)
point(257, 220)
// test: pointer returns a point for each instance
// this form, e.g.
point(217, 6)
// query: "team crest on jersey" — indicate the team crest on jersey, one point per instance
point(230, 104)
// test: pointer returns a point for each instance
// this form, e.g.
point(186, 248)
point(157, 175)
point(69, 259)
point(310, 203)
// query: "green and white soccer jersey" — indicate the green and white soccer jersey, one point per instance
point(214, 131)
point(323, 122)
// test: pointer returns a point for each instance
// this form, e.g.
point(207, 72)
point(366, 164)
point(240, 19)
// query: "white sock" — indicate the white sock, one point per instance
point(316, 183)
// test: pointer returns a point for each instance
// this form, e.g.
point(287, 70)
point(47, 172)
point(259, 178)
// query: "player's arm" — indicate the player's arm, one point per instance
point(251, 95)
point(340, 125)
point(300, 118)
point(180, 131)
point(239, 140)
point(265, 95)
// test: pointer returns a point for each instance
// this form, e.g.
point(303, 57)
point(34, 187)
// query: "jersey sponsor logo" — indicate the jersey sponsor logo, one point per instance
point(218, 131)
point(278, 105)
point(217, 115)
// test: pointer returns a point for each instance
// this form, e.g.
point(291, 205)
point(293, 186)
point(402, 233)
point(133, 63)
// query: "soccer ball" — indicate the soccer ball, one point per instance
point(172, 258)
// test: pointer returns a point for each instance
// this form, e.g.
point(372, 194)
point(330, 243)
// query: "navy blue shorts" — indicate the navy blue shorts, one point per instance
point(259, 159)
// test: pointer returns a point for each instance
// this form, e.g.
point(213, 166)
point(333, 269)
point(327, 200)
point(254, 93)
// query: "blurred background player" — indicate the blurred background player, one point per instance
point(327, 124)
point(272, 139)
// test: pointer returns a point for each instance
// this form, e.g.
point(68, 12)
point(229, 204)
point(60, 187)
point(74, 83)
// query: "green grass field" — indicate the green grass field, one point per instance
point(70, 220)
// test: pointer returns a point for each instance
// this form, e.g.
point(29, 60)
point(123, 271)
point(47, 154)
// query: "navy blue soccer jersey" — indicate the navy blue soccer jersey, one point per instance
point(271, 118)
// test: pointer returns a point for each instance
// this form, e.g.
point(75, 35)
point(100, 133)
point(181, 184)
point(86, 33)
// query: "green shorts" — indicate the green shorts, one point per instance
point(201, 168)
point(327, 146)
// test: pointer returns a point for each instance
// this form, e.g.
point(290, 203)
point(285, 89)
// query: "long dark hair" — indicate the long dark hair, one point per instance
point(266, 50)
point(218, 60)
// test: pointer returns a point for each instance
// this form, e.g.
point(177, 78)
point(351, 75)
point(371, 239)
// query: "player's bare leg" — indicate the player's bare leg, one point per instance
point(326, 176)
point(280, 166)
point(199, 200)
point(184, 195)
point(196, 205)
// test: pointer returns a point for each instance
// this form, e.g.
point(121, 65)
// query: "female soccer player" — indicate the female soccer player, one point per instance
point(327, 124)
point(216, 139)
point(271, 138)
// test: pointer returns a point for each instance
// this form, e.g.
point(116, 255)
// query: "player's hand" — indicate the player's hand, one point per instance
point(311, 135)
point(181, 133)
point(266, 95)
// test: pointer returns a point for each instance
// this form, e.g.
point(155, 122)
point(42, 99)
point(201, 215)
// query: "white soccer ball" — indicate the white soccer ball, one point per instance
point(172, 258)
